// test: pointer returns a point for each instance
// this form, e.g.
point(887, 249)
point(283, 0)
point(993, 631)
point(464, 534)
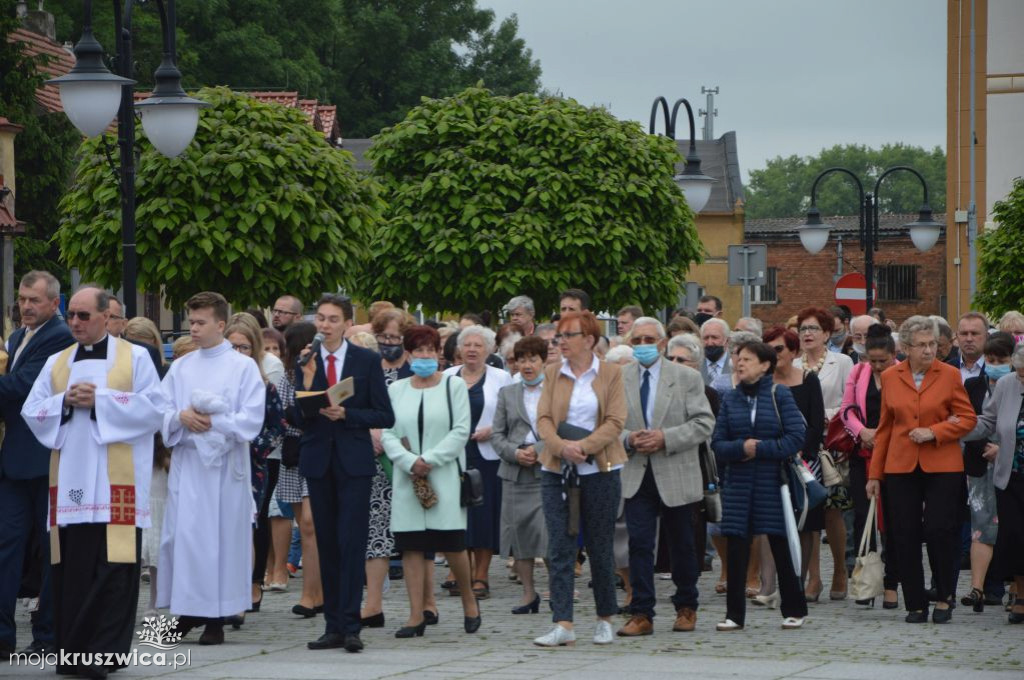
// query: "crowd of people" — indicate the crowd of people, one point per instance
point(551, 445)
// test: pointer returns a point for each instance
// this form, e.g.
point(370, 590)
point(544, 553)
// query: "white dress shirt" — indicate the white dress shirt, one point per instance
point(655, 370)
point(583, 407)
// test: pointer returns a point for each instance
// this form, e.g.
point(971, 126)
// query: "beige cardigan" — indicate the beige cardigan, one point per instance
point(604, 442)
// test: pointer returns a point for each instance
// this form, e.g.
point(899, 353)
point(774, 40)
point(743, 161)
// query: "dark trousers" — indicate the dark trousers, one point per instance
point(341, 517)
point(599, 502)
point(94, 600)
point(261, 535)
point(1009, 553)
point(738, 556)
point(642, 511)
point(23, 508)
point(938, 526)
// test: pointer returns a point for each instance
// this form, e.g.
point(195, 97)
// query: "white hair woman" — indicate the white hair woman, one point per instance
point(620, 354)
point(483, 530)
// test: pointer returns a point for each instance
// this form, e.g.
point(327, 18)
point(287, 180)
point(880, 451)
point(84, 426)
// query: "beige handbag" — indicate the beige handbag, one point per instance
point(831, 471)
point(867, 581)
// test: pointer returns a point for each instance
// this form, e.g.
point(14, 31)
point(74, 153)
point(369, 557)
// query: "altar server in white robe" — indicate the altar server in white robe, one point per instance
point(96, 405)
point(205, 564)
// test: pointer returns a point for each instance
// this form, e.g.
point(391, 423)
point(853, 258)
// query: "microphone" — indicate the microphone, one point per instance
point(317, 340)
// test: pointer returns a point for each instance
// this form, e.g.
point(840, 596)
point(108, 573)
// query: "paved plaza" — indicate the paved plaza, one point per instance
point(840, 641)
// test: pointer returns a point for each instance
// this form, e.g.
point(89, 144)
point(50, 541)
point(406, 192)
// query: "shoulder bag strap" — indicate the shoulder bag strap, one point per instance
point(448, 396)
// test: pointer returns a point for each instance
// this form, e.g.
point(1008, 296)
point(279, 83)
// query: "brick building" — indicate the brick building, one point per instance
point(908, 281)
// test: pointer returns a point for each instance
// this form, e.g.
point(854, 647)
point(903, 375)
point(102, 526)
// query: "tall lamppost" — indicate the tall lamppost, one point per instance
point(91, 95)
point(814, 233)
point(695, 184)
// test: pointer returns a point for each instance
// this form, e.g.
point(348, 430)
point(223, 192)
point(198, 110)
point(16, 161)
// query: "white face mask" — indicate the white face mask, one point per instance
point(860, 349)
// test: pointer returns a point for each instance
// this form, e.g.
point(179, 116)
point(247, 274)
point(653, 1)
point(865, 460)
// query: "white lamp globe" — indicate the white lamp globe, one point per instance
point(90, 104)
point(170, 127)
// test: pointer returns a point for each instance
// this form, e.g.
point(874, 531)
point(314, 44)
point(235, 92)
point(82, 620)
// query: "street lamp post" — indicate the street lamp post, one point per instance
point(814, 233)
point(695, 184)
point(91, 95)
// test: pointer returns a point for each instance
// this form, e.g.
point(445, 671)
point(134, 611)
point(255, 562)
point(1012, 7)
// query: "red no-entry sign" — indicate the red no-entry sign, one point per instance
point(851, 290)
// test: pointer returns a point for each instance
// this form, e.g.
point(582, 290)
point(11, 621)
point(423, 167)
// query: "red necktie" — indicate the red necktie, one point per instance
point(332, 373)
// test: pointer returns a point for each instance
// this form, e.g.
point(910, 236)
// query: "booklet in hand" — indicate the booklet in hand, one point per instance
point(312, 402)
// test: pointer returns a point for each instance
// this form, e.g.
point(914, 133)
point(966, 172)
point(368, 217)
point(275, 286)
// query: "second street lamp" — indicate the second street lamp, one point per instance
point(695, 184)
point(91, 95)
point(924, 232)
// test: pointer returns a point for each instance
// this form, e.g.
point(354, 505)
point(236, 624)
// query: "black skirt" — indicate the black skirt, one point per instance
point(431, 540)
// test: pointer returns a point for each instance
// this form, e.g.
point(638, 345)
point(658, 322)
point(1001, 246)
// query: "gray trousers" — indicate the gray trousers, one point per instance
point(599, 501)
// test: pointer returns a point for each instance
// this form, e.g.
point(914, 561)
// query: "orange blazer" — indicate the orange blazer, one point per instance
point(904, 408)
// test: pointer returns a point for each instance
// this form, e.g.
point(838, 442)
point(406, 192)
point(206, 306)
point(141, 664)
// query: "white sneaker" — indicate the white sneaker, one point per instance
point(771, 601)
point(604, 634)
point(728, 625)
point(557, 637)
point(791, 622)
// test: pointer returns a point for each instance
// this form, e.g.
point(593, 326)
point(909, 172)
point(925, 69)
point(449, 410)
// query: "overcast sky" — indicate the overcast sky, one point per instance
point(795, 76)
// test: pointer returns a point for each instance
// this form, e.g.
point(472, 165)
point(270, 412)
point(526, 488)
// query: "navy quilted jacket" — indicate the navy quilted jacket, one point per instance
point(750, 490)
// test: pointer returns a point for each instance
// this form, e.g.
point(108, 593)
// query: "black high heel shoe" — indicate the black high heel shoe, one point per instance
point(374, 621)
point(411, 631)
point(471, 624)
point(891, 605)
point(531, 608)
point(236, 621)
point(256, 604)
point(432, 618)
point(975, 599)
point(870, 603)
point(942, 615)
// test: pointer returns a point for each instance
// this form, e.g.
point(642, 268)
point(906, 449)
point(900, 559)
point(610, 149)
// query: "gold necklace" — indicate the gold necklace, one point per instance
point(816, 369)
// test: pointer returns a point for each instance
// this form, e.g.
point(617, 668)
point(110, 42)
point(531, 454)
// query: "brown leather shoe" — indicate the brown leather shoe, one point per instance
point(638, 624)
point(686, 620)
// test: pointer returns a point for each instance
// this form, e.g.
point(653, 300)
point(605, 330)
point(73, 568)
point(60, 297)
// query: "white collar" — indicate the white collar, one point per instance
point(338, 353)
point(595, 366)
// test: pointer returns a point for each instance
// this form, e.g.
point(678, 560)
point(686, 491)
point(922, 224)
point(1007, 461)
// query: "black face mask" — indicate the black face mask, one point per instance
point(714, 353)
point(391, 353)
point(749, 389)
point(700, 317)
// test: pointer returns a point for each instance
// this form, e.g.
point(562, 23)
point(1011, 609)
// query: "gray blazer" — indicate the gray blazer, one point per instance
point(508, 432)
point(998, 421)
point(683, 413)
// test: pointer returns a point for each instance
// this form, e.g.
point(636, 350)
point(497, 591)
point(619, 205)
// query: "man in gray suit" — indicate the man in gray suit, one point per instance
point(668, 418)
point(716, 369)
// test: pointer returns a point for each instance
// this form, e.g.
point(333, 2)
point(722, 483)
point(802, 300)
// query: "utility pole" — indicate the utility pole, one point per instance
point(710, 113)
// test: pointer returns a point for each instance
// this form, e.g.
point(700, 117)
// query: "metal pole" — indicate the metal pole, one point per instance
point(126, 143)
point(747, 278)
point(870, 243)
point(972, 206)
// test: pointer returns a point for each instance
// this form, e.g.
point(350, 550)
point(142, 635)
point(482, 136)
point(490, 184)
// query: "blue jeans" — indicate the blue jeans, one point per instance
point(599, 502)
point(642, 511)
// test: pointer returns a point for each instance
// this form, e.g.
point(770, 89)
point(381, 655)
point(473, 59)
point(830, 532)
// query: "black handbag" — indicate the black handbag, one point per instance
point(290, 451)
point(709, 476)
point(471, 481)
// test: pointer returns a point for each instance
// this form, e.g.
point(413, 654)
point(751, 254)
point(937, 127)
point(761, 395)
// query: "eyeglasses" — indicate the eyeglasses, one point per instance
point(389, 339)
point(809, 329)
point(84, 316)
point(644, 340)
point(283, 312)
point(778, 348)
point(568, 334)
point(923, 345)
point(679, 360)
point(553, 341)
point(242, 348)
point(115, 317)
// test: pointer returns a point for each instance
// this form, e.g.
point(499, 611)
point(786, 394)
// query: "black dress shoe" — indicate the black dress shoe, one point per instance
point(213, 634)
point(375, 621)
point(6, 650)
point(93, 671)
point(353, 644)
point(431, 618)
point(471, 624)
point(328, 641)
point(942, 615)
point(319, 609)
point(304, 612)
point(919, 616)
point(411, 631)
point(529, 608)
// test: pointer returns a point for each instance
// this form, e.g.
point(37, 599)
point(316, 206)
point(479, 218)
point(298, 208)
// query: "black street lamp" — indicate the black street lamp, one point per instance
point(695, 184)
point(91, 95)
point(814, 233)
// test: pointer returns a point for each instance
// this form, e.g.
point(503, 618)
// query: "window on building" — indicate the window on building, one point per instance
point(896, 282)
point(768, 293)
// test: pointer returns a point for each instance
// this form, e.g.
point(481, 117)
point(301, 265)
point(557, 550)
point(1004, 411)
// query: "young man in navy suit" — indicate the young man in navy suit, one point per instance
point(24, 462)
point(337, 459)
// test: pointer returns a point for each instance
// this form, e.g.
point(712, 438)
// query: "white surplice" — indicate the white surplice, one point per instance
point(205, 566)
point(83, 485)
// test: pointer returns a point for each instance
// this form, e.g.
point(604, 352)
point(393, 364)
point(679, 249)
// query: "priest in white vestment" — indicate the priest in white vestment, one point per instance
point(205, 567)
point(96, 405)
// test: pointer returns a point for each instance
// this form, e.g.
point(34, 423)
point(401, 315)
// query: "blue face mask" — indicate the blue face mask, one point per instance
point(996, 372)
point(536, 381)
point(424, 368)
point(645, 354)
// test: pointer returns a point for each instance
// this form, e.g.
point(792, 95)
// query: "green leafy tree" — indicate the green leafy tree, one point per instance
point(1001, 256)
point(43, 151)
point(783, 188)
point(492, 196)
point(258, 204)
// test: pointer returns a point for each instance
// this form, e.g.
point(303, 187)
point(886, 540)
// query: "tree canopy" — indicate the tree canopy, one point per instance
point(783, 188)
point(372, 59)
point(493, 196)
point(258, 204)
point(1001, 256)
